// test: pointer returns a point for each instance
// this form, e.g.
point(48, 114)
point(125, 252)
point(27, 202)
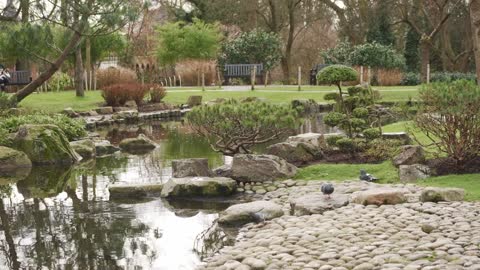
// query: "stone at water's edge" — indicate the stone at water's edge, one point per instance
point(317, 203)
point(104, 147)
point(45, 145)
point(433, 194)
point(135, 191)
point(257, 211)
point(190, 167)
point(199, 187)
point(141, 143)
point(11, 159)
point(223, 171)
point(295, 152)
point(261, 168)
point(380, 196)
point(409, 155)
point(85, 148)
point(402, 136)
point(411, 173)
point(127, 115)
point(104, 110)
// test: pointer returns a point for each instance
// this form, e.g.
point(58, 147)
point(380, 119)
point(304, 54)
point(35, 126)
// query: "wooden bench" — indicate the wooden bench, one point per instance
point(243, 71)
point(20, 77)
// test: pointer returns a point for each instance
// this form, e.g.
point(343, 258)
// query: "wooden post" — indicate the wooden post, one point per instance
point(170, 80)
point(266, 78)
point(94, 80)
point(203, 81)
point(299, 79)
point(361, 74)
point(369, 75)
point(180, 80)
point(428, 73)
point(85, 75)
point(174, 80)
point(254, 75)
point(219, 79)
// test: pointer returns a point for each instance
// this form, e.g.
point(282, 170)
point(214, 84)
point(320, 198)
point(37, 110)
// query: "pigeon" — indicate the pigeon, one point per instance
point(327, 189)
point(364, 176)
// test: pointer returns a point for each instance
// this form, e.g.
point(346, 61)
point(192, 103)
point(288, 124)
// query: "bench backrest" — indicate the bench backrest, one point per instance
point(20, 77)
point(242, 70)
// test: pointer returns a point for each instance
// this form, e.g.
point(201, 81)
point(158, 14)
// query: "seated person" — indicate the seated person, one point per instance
point(4, 78)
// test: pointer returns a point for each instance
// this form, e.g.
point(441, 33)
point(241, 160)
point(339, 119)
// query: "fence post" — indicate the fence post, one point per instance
point(170, 80)
point(428, 73)
point(219, 79)
point(361, 74)
point(369, 76)
point(299, 78)
point(203, 81)
point(174, 80)
point(266, 78)
point(254, 75)
point(180, 80)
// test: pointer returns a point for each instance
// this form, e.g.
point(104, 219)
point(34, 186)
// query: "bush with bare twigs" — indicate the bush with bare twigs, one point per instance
point(111, 76)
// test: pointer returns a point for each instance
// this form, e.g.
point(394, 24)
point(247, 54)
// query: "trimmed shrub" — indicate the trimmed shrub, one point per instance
point(360, 112)
point(73, 128)
point(111, 76)
point(411, 79)
point(119, 94)
point(157, 93)
point(346, 145)
point(380, 149)
point(336, 74)
point(372, 133)
point(332, 140)
point(331, 96)
point(334, 119)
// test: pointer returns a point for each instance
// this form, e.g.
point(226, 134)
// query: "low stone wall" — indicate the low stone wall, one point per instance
point(108, 120)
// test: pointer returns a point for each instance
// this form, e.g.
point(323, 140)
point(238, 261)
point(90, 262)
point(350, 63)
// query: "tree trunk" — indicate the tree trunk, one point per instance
point(425, 47)
point(475, 19)
point(54, 67)
point(79, 78)
point(88, 62)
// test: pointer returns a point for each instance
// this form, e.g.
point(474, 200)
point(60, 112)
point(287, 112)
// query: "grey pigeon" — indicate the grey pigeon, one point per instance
point(327, 189)
point(364, 176)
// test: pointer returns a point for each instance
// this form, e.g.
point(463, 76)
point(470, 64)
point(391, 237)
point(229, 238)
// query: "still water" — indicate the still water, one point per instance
point(62, 218)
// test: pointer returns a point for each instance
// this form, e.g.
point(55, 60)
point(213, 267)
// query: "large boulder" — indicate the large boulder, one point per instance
point(409, 155)
point(315, 139)
point(194, 101)
point(44, 144)
point(139, 144)
point(412, 173)
point(191, 167)
point(199, 187)
point(11, 159)
point(295, 152)
point(257, 211)
point(317, 203)
point(85, 148)
point(435, 194)
point(104, 147)
point(70, 113)
point(261, 168)
point(380, 196)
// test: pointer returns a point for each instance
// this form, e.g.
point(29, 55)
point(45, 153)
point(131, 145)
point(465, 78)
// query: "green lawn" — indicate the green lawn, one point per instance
point(57, 101)
point(387, 173)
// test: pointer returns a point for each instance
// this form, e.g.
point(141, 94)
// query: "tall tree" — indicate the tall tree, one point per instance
point(95, 17)
point(380, 25)
point(427, 18)
point(412, 41)
point(475, 21)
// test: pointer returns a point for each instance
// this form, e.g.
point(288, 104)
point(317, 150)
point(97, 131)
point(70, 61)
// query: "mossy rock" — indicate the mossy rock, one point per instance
point(11, 159)
point(199, 187)
point(85, 148)
point(44, 145)
point(45, 181)
point(139, 144)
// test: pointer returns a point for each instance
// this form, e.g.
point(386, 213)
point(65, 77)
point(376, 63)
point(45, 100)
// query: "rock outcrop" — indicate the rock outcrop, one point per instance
point(11, 159)
point(257, 211)
point(199, 187)
point(414, 172)
point(409, 155)
point(191, 167)
point(261, 168)
point(380, 196)
point(85, 148)
point(44, 145)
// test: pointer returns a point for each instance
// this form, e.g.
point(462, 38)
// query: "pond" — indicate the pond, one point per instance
point(63, 218)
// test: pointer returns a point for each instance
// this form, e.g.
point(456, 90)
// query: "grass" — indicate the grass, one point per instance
point(387, 173)
point(57, 101)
